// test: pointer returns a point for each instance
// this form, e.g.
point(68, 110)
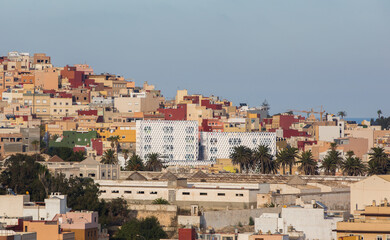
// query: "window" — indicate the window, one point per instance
point(203, 194)
point(185, 193)
point(128, 192)
point(55, 103)
point(153, 192)
point(190, 148)
point(213, 150)
point(213, 141)
point(168, 139)
point(147, 129)
point(239, 195)
point(190, 139)
point(168, 129)
point(148, 139)
point(387, 237)
point(140, 192)
point(38, 101)
point(189, 130)
point(379, 237)
point(44, 101)
point(221, 194)
point(115, 191)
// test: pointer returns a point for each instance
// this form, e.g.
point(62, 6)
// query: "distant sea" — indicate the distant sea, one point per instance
point(360, 120)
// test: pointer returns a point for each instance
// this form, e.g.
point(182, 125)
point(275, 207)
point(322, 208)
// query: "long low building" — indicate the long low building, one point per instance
point(184, 194)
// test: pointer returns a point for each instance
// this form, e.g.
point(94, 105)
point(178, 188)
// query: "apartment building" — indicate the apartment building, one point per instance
point(173, 140)
point(214, 145)
point(372, 223)
point(183, 193)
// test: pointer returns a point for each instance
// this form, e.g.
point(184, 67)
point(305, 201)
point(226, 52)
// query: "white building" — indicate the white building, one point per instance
point(210, 195)
point(173, 140)
point(221, 144)
point(310, 219)
point(17, 206)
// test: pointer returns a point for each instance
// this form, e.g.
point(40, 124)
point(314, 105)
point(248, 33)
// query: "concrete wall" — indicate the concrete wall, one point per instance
point(12, 206)
point(220, 219)
point(189, 220)
point(166, 214)
point(333, 200)
point(365, 192)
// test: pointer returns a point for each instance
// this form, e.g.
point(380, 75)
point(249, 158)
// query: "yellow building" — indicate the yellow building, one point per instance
point(373, 223)
point(224, 164)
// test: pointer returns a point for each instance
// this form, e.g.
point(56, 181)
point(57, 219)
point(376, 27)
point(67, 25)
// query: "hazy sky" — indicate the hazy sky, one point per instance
point(296, 54)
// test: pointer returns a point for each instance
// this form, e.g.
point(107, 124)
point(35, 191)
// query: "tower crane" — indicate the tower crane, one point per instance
point(311, 112)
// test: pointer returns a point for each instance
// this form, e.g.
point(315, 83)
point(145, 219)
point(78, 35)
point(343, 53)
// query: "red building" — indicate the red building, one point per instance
point(187, 234)
point(286, 121)
point(302, 144)
point(87, 112)
point(207, 103)
point(75, 77)
point(97, 145)
point(193, 99)
point(211, 125)
point(179, 113)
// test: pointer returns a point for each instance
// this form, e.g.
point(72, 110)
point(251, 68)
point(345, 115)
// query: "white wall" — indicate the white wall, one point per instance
point(12, 206)
point(329, 133)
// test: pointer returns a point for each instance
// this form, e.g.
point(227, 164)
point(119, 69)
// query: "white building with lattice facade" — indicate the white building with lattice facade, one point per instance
point(214, 145)
point(176, 141)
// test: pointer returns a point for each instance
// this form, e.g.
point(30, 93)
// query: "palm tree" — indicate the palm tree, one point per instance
point(342, 114)
point(114, 143)
point(282, 158)
point(35, 145)
point(307, 163)
point(353, 166)
point(126, 153)
point(109, 157)
point(242, 156)
point(135, 163)
point(154, 163)
point(292, 154)
point(332, 160)
point(380, 160)
point(263, 158)
point(379, 112)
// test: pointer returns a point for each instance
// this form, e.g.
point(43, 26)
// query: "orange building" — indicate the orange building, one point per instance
point(47, 230)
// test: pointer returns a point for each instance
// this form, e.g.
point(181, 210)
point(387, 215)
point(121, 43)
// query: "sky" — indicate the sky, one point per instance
point(297, 54)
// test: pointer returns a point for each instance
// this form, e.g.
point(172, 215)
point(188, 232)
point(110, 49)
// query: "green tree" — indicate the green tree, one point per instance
point(135, 163)
point(342, 114)
point(283, 159)
point(307, 163)
point(114, 143)
point(161, 201)
point(153, 162)
point(379, 112)
point(242, 156)
point(332, 161)
point(353, 166)
point(35, 145)
point(379, 161)
point(77, 156)
point(22, 175)
point(126, 153)
point(109, 157)
point(292, 154)
point(264, 160)
point(148, 228)
point(114, 212)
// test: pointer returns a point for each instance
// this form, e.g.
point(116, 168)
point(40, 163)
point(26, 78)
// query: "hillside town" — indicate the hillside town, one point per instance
point(98, 156)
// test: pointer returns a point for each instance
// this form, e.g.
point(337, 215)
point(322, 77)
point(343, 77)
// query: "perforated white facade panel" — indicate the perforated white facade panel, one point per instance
point(214, 145)
point(173, 140)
